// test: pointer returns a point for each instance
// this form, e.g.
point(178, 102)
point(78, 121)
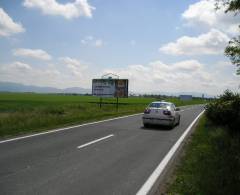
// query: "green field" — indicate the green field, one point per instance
point(22, 113)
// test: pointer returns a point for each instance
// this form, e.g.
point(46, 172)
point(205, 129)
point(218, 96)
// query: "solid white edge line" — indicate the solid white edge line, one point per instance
point(94, 141)
point(145, 189)
point(66, 128)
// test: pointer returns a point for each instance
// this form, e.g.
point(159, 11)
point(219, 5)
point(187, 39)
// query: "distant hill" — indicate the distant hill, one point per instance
point(17, 87)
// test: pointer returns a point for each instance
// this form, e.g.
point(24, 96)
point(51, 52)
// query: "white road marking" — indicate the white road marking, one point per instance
point(94, 141)
point(145, 189)
point(189, 108)
point(185, 110)
point(66, 128)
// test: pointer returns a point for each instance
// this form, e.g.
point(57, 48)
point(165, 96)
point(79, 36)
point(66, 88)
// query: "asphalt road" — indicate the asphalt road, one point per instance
point(62, 163)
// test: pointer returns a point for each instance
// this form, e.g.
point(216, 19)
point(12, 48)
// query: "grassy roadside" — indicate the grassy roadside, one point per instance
point(23, 113)
point(210, 165)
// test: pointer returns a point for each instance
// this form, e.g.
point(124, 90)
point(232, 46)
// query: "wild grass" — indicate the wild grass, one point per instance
point(211, 164)
point(22, 113)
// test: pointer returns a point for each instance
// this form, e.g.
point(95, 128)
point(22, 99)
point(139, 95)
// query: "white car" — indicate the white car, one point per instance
point(161, 113)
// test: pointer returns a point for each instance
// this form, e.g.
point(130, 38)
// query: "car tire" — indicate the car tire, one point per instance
point(173, 124)
point(178, 120)
point(145, 125)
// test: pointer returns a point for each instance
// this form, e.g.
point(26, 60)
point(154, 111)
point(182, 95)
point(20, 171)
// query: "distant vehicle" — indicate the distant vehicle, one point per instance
point(161, 113)
point(185, 97)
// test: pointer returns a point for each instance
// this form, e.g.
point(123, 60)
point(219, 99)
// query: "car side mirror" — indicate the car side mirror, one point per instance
point(177, 109)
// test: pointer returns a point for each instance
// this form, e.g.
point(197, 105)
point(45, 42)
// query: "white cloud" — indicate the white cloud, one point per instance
point(203, 14)
point(32, 53)
point(99, 43)
point(20, 66)
point(210, 43)
point(183, 76)
point(183, 67)
point(158, 76)
point(75, 66)
point(7, 26)
point(20, 72)
point(92, 41)
point(57, 74)
point(225, 64)
point(69, 10)
point(87, 40)
point(154, 77)
point(188, 65)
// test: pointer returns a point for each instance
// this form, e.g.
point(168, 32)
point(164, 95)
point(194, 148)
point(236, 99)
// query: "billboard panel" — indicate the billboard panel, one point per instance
point(110, 87)
point(121, 88)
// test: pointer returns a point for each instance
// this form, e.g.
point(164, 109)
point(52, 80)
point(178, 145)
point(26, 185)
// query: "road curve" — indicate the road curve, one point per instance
point(112, 157)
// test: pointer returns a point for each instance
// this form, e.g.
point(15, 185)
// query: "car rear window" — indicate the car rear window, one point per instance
point(158, 105)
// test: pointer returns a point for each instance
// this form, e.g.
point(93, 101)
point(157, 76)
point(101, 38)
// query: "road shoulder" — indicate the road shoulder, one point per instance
point(168, 175)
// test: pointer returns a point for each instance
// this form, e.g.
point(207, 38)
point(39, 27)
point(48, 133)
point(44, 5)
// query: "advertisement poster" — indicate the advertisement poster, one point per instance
point(110, 87)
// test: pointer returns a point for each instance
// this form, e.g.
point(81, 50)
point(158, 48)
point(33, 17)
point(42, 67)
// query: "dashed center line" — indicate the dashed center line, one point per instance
point(95, 141)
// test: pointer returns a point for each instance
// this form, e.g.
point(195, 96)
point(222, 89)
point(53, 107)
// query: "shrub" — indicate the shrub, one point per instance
point(225, 111)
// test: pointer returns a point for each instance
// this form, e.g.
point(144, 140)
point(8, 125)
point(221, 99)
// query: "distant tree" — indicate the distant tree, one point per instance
point(233, 48)
point(233, 52)
point(231, 5)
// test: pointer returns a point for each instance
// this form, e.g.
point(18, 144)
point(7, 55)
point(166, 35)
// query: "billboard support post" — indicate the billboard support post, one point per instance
point(117, 104)
point(100, 102)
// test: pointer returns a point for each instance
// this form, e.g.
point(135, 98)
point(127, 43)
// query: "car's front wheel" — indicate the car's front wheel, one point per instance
point(145, 125)
point(178, 120)
point(173, 123)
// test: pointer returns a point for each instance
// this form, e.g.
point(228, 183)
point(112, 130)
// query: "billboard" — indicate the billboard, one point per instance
point(110, 87)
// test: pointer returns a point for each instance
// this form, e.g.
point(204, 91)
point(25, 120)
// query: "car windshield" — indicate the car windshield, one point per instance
point(158, 105)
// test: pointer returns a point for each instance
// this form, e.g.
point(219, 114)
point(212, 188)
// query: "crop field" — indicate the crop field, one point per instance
point(24, 113)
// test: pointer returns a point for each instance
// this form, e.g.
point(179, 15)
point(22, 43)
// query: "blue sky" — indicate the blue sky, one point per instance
point(158, 45)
